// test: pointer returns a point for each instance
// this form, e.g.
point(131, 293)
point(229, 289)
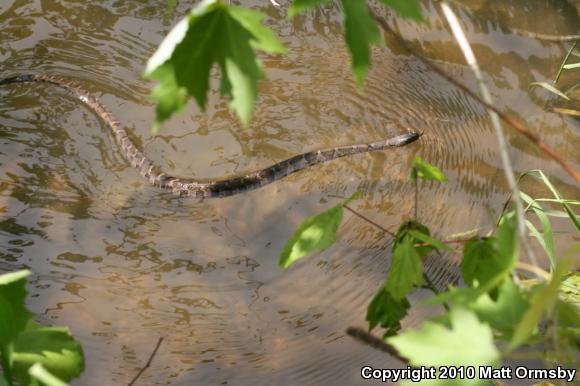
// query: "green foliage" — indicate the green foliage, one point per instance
point(468, 342)
point(406, 269)
point(39, 373)
point(360, 31)
point(489, 260)
point(492, 305)
point(409, 9)
point(31, 352)
point(315, 233)
point(227, 36)
point(542, 302)
point(426, 171)
point(504, 313)
point(299, 6)
point(387, 312)
point(212, 34)
point(53, 347)
point(14, 315)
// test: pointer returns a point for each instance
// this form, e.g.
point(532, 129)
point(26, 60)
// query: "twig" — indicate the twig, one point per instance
point(520, 127)
point(383, 229)
point(564, 62)
point(534, 269)
point(416, 197)
point(546, 37)
point(148, 362)
point(486, 95)
point(375, 342)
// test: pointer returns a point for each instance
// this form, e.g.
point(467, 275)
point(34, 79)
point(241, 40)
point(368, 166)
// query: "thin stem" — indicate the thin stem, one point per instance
point(486, 95)
point(416, 198)
point(563, 63)
point(520, 127)
point(375, 342)
point(534, 269)
point(383, 229)
point(148, 362)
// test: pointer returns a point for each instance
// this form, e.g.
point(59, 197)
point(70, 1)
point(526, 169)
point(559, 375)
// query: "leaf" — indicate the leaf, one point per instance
point(505, 313)
point(467, 343)
point(13, 312)
point(315, 233)
point(507, 239)
point(53, 347)
point(406, 269)
point(480, 262)
point(409, 9)
point(387, 312)
point(38, 372)
point(547, 241)
point(570, 289)
point(542, 302)
point(571, 66)
point(360, 31)
point(211, 34)
point(550, 88)
point(405, 231)
point(298, 6)
point(542, 177)
point(426, 171)
point(560, 110)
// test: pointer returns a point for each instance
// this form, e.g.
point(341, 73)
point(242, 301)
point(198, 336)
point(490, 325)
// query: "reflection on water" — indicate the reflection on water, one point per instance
point(123, 263)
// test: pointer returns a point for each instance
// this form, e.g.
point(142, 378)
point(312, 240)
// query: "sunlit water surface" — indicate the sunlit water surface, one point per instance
point(123, 263)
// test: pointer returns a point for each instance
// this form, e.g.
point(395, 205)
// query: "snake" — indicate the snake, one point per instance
point(202, 188)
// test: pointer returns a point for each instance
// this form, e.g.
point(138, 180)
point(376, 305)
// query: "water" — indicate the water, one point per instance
point(123, 263)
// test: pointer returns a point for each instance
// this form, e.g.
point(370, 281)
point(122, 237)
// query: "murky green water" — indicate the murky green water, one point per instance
point(123, 263)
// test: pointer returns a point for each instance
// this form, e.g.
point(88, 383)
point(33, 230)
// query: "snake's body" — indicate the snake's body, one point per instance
point(206, 188)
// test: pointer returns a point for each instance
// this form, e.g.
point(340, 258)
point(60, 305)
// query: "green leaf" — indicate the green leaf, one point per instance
point(507, 239)
point(505, 313)
point(409, 9)
point(549, 250)
point(542, 177)
point(429, 240)
point(360, 31)
point(53, 347)
point(467, 343)
point(212, 34)
point(480, 262)
point(387, 312)
point(405, 231)
point(570, 289)
point(315, 233)
point(13, 312)
point(406, 269)
point(38, 372)
point(303, 5)
point(542, 302)
point(426, 171)
point(550, 88)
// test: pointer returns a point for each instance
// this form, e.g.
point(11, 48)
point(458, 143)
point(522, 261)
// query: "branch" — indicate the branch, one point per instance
point(375, 342)
point(520, 127)
point(148, 362)
point(383, 229)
